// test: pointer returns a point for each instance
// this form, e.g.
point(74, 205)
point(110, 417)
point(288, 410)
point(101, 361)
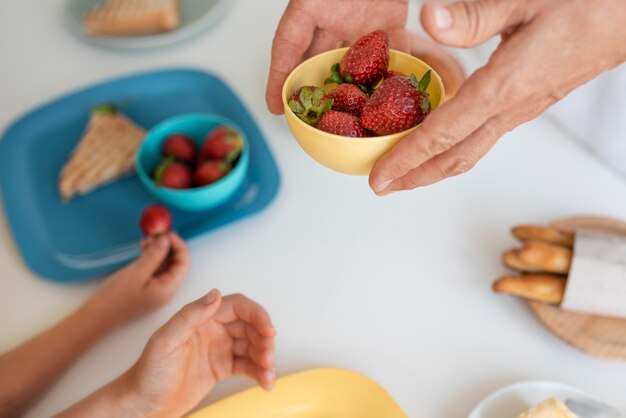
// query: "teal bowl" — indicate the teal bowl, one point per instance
point(196, 126)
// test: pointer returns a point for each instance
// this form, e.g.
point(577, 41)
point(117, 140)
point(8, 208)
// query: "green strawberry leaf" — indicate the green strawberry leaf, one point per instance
point(425, 105)
point(327, 105)
point(335, 76)
point(365, 90)
point(305, 97)
point(349, 78)
point(160, 170)
point(295, 106)
point(317, 95)
point(230, 158)
point(424, 82)
point(107, 108)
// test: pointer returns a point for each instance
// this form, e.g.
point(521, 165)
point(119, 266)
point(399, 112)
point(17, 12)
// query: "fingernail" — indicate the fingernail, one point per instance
point(386, 192)
point(443, 17)
point(271, 375)
point(378, 189)
point(210, 297)
point(162, 241)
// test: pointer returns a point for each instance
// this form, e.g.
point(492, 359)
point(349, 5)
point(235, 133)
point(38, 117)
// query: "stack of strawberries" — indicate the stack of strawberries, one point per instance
point(183, 166)
point(369, 100)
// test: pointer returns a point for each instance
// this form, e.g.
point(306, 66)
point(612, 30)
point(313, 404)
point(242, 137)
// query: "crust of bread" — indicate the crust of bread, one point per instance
point(133, 17)
point(545, 234)
point(550, 408)
point(105, 153)
point(550, 258)
point(545, 288)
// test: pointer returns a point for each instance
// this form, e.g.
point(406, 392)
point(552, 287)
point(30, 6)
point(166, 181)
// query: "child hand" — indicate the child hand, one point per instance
point(204, 343)
point(145, 284)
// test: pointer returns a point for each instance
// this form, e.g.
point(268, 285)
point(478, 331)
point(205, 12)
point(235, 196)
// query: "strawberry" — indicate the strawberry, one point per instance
point(393, 73)
point(348, 98)
point(365, 62)
point(222, 143)
point(309, 104)
point(173, 175)
point(342, 123)
point(180, 147)
point(399, 103)
point(210, 172)
point(155, 220)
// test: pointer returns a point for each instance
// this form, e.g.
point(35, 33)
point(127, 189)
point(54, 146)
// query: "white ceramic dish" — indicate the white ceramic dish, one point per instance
point(512, 400)
point(196, 17)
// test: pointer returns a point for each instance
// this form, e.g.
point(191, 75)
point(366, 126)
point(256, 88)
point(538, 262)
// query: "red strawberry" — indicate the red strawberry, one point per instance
point(210, 172)
point(341, 123)
point(180, 147)
point(348, 98)
point(309, 104)
point(155, 219)
point(366, 61)
point(173, 175)
point(393, 73)
point(222, 143)
point(398, 104)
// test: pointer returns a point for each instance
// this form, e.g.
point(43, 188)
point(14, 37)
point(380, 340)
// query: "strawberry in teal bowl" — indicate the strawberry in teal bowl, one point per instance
point(193, 162)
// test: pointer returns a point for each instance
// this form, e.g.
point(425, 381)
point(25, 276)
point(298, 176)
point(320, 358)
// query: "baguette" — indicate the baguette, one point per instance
point(545, 257)
point(511, 259)
point(544, 234)
point(545, 288)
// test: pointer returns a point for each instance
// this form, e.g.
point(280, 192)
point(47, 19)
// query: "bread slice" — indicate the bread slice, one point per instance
point(550, 408)
point(105, 153)
point(133, 17)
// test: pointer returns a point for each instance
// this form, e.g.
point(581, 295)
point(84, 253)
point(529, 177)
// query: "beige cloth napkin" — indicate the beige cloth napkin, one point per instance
point(597, 280)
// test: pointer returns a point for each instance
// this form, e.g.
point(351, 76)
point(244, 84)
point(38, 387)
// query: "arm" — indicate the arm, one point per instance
point(29, 370)
point(204, 343)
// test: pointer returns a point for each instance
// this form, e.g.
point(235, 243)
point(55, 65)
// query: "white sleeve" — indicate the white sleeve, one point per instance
point(595, 114)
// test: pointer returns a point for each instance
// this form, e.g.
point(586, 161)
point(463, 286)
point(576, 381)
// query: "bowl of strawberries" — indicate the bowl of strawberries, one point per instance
point(193, 162)
point(349, 106)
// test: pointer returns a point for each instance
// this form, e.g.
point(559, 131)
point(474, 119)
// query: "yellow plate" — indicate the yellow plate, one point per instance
point(316, 393)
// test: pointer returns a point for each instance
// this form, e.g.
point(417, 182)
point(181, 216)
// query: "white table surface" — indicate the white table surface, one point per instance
point(396, 288)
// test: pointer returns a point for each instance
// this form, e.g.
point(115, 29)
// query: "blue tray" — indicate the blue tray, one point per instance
point(97, 233)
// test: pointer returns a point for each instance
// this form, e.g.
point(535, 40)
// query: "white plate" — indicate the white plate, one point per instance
point(511, 401)
point(196, 17)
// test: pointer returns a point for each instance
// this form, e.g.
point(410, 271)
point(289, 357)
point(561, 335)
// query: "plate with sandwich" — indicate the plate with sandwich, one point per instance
point(71, 195)
point(533, 399)
point(141, 24)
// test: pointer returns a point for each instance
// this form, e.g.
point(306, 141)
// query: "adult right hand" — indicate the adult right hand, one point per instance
point(549, 48)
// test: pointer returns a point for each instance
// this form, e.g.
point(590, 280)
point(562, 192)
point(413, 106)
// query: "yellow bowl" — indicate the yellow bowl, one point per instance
point(328, 393)
point(354, 156)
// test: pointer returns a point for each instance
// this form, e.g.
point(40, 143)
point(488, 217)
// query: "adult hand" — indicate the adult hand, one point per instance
point(204, 343)
point(548, 49)
point(309, 27)
point(145, 284)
